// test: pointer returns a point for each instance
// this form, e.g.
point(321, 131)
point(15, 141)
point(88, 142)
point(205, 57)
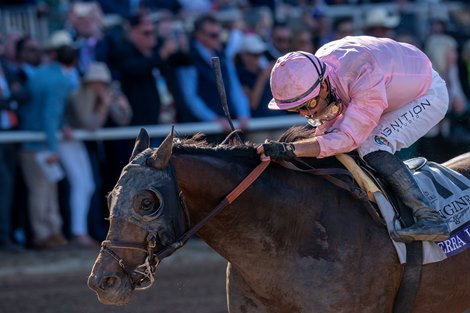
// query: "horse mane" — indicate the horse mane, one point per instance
point(296, 133)
point(230, 151)
point(233, 150)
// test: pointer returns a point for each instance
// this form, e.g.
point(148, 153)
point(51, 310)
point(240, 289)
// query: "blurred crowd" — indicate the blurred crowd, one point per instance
point(116, 63)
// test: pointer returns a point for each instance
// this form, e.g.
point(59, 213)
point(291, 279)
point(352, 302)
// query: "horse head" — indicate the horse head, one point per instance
point(146, 215)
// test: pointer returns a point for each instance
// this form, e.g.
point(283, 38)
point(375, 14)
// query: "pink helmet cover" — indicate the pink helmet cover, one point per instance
point(295, 78)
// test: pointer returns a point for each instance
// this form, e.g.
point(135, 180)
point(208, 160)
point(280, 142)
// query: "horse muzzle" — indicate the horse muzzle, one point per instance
point(111, 287)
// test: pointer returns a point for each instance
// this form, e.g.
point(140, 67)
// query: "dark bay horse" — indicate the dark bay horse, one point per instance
point(293, 241)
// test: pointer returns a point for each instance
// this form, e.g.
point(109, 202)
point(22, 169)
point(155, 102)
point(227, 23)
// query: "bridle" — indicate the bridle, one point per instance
point(141, 277)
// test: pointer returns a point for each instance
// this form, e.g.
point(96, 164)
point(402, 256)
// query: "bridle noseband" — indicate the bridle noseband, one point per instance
point(142, 276)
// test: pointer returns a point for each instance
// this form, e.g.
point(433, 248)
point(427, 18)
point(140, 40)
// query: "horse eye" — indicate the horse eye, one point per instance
point(146, 204)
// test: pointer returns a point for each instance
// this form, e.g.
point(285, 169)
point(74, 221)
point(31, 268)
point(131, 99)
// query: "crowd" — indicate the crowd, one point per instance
point(117, 63)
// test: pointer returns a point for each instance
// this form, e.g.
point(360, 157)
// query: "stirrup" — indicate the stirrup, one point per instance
point(417, 233)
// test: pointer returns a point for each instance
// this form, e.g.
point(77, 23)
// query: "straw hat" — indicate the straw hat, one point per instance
point(97, 72)
point(59, 39)
point(252, 43)
point(380, 17)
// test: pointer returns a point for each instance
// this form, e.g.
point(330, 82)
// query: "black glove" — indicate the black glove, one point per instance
point(279, 150)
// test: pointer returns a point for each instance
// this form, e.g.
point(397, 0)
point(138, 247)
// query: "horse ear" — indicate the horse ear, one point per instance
point(160, 158)
point(142, 142)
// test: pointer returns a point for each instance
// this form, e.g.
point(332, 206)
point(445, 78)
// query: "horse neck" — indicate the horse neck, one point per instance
point(261, 219)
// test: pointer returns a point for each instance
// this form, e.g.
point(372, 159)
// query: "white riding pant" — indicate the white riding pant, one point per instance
point(76, 162)
point(402, 127)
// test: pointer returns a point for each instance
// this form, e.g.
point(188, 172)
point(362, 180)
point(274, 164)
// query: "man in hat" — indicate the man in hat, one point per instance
point(373, 95)
point(49, 87)
point(380, 23)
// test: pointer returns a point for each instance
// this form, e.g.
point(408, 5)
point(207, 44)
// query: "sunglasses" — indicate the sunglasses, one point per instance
point(307, 105)
point(147, 33)
point(213, 35)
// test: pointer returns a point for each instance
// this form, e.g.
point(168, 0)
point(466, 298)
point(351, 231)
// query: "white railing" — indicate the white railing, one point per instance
point(23, 19)
point(182, 129)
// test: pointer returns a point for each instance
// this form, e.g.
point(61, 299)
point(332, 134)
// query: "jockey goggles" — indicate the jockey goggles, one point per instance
point(307, 105)
point(333, 108)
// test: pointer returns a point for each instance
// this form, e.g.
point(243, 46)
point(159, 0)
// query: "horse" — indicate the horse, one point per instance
point(294, 242)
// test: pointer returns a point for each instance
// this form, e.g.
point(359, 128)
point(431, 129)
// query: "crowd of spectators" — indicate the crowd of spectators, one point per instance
point(118, 63)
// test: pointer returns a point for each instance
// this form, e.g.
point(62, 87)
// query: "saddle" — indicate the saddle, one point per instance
point(360, 180)
point(366, 178)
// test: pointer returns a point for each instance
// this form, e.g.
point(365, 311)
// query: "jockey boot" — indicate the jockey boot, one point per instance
point(429, 225)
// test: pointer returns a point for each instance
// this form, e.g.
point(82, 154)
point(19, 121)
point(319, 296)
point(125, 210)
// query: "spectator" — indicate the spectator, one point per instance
point(380, 23)
point(64, 38)
point(280, 41)
point(98, 99)
point(45, 113)
point(464, 69)
point(198, 80)
point(254, 78)
point(113, 39)
point(8, 155)
point(302, 40)
point(260, 21)
point(138, 59)
point(90, 107)
point(342, 27)
point(8, 44)
point(442, 51)
point(173, 46)
point(86, 22)
point(28, 56)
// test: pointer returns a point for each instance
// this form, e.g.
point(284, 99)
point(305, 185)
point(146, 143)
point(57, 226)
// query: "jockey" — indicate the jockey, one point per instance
point(375, 95)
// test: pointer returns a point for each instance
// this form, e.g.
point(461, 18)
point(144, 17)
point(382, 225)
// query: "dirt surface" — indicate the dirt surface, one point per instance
point(191, 280)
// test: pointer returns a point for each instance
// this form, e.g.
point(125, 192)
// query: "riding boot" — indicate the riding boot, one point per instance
point(429, 225)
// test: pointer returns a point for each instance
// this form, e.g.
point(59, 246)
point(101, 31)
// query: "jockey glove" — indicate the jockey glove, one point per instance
point(279, 150)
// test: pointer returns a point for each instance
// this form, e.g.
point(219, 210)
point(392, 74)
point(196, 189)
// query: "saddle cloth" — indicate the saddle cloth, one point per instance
point(447, 191)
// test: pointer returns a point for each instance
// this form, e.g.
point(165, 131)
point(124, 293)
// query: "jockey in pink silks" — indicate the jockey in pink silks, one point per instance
point(375, 95)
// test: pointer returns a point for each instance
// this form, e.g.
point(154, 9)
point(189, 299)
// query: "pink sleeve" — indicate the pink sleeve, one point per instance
point(368, 102)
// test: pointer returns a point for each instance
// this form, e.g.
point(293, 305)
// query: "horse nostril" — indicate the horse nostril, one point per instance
point(109, 282)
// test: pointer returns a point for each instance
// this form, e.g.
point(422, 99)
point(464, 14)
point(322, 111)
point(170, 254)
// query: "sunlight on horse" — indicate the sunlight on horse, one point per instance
point(294, 241)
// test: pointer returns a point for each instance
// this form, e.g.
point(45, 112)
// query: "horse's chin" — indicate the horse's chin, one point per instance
point(117, 297)
point(119, 293)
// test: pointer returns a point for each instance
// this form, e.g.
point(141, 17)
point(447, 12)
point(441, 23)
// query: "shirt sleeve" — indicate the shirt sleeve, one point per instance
point(368, 102)
point(187, 78)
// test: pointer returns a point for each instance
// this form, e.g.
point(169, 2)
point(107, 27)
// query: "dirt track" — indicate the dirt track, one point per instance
point(192, 280)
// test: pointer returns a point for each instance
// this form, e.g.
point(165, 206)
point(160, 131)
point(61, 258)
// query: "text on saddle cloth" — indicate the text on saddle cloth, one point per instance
point(449, 193)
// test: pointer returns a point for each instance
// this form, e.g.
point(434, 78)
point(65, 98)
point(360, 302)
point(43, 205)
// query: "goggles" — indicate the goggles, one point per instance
point(329, 113)
point(307, 105)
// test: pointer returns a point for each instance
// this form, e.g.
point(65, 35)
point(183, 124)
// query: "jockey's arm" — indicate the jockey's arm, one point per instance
point(307, 148)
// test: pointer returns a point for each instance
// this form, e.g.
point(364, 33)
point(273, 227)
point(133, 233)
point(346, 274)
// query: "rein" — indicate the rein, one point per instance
point(142, 276)
point(234, 194)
